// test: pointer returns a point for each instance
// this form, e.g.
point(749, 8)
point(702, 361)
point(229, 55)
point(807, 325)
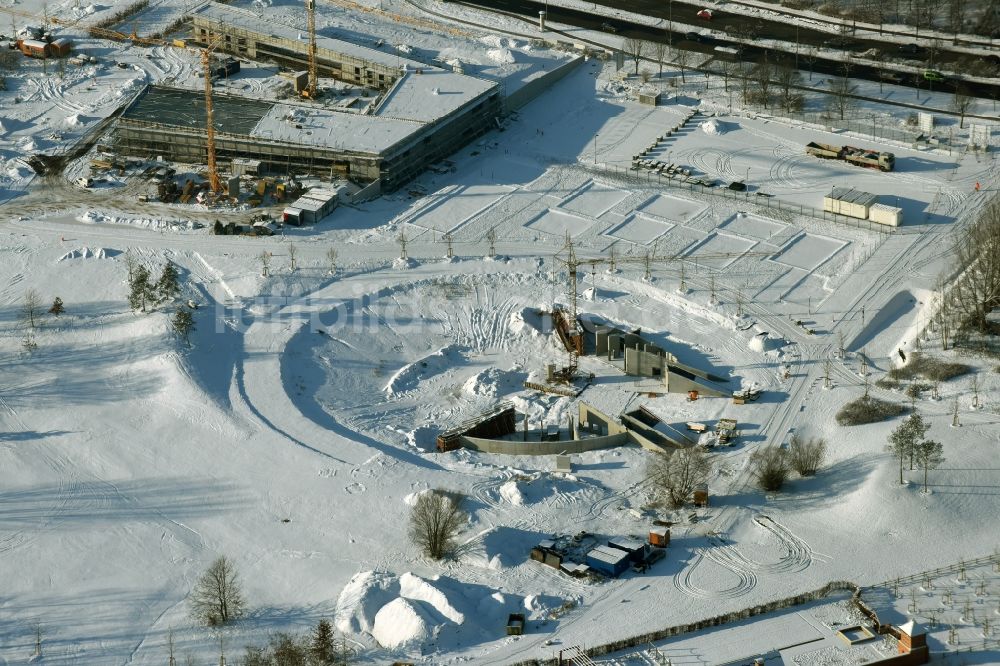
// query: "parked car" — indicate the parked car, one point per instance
point(909, 49)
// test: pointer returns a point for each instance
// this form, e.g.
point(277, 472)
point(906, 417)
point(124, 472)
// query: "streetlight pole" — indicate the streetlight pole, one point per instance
point(670, 24)
point(747, 183)
point(595, 147)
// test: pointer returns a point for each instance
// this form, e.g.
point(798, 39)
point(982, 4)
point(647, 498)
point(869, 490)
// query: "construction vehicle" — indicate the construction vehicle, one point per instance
point(84, 182)
point(726, 428)
point(744, 396)
point(871, 159)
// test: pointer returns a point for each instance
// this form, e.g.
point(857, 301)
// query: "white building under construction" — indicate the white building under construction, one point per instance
point(422, 114)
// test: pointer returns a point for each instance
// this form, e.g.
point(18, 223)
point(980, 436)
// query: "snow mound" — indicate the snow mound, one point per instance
point(401, 264)
point(712, 127)
point(401, 623)
point(404, 48)
point(501, 56)
point(494, 41)
point(87, 253)
point(411, 499)
point(362, 598)
point(416, 588)
point(764, 342)
point(422, 438)
point(73, 120)
point(95, 217)
point(410, 375)
point(511, 493)
point(525, 322)
point(28, 145)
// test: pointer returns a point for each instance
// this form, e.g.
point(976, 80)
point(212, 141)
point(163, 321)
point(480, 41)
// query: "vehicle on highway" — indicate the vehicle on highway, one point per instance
point(909, 49)
point(933, 75)
point(698, 38)
point(705, 14)
point(607, 27)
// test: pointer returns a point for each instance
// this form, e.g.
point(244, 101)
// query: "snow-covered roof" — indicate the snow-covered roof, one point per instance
point(913, 628)
point(321, 127)
point(659, 531)
point(424, 97)
point(886, 208)
point(608, 555)
point(626, 543)
point(851, 195)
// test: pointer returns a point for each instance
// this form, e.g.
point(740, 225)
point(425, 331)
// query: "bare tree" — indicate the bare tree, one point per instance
point(217, 597)
point(976, 291)
point(806, 455)
point(634, 47)
point(770, 467)
point(841, 91)
point(763, 73)
point(292, 254)
point(435, 521)
point(960, 103)
point(808, 56)
point(956, 15)
point(675, 475)
point(331, 257)
point(682, 58)
point(660, 51)
point(787, 79)
point(729, 69)
point(265, 263)
point(31, 309)
point(929, 455)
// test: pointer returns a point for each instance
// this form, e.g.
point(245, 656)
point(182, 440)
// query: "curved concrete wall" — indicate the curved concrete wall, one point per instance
point(515, 448)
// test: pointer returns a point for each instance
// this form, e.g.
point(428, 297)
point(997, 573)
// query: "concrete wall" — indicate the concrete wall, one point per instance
point(643, 363)
point(519, 448)
point(534, 88)
point(606, 424)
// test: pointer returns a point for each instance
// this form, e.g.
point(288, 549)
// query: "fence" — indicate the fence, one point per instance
point(767, 202)
point(676, 630)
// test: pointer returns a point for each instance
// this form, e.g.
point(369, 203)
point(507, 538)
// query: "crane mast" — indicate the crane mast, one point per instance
point(313, 69)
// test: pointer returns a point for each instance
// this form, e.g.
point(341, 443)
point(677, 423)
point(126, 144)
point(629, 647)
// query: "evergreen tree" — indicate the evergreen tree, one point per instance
point(903, 440)
point(168, 287)
point(141, 290)
point(57, 307)
point(183, 323)
point(322, 647)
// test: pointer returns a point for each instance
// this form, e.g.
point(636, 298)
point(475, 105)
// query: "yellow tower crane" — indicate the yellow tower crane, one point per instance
point(213, 172)
point(311, 90)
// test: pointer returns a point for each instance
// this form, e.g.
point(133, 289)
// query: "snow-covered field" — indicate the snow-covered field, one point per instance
point(298, 428)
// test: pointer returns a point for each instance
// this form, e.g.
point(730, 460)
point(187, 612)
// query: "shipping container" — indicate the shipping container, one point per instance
point(888, 215)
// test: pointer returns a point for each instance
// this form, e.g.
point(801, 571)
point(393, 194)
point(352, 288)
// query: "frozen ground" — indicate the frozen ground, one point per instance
point(130, 461)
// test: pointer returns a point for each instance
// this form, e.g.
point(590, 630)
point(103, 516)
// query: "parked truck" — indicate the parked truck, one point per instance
point(871, 159)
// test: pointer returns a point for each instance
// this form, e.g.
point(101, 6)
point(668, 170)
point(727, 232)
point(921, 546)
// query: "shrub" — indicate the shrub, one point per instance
point(770, 467)
point(930, 368)
point(888, 383)
point(915, 389)
point(867, 409)
point(806, 455)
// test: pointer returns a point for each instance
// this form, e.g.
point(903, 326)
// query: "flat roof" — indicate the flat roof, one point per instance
point(626, 543)
point(421, 97)
point(319, 126)
point(851, 195)
point(301, 124)
point(608, 555)
point(186, 108)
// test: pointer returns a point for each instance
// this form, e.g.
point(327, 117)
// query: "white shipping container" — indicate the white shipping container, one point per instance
point(888, 215)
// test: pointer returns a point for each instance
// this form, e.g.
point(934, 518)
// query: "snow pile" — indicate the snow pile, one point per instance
point(764, 342)
point(404, 48)
point(401, 264)
point(501, 56)
point(411, 499)
point(511, 493)
point(86, 253)
point(362, 598)
point(492, 382)
point(410, 375)
point(409, 611)
point(28, 145)
point(96, 217)
point(712, 127)
point(525, 322)
point(402, 622)
point(422, 438)
point(73, 120)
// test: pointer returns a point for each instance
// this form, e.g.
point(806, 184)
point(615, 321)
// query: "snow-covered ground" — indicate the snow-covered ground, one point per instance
point(298, 428)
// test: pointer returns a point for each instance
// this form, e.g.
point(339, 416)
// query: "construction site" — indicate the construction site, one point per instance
point(421, 115)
